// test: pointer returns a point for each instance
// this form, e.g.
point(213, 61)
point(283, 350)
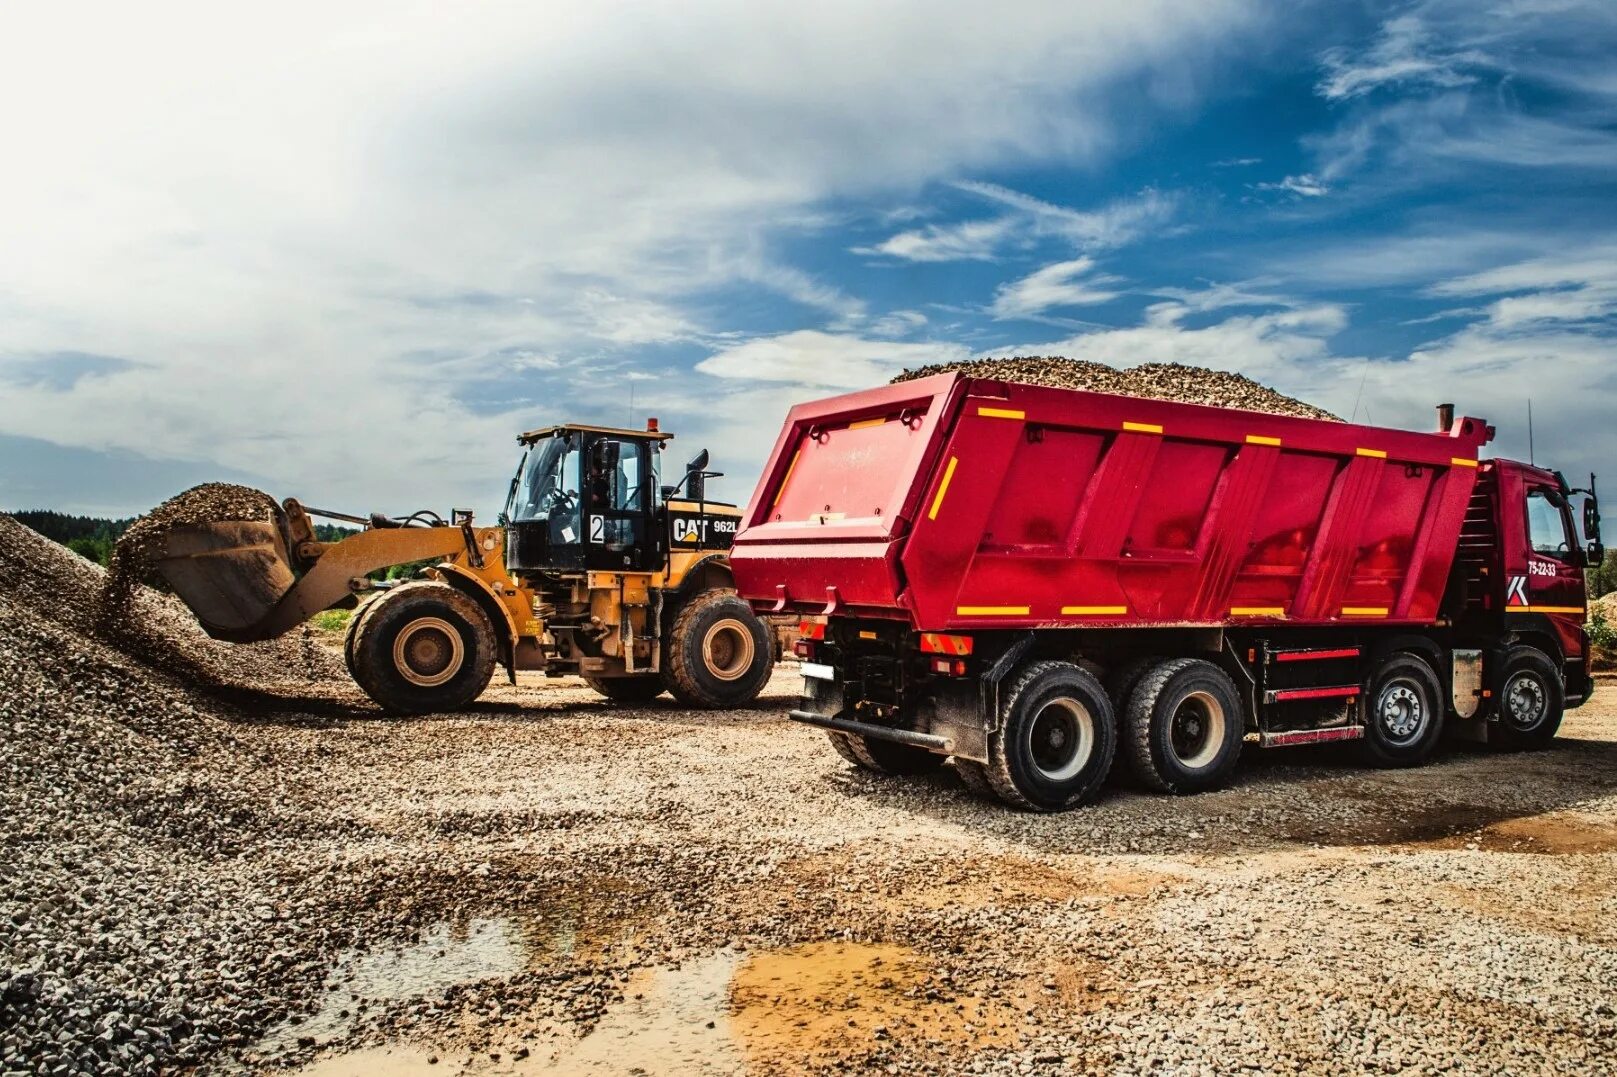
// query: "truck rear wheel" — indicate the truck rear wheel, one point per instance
point(641, 688)
point(1403, 713)
point(423, 647)
point(1532, 703)
point(1056, 739)
point(719, 653)
point(974, 776)
point(883, 756)
point(1183, 726)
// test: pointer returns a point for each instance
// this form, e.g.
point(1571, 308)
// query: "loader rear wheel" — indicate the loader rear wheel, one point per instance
point(1056, 739)
point(423, 647)
point(1532, 703)
point(1183, 726)
point(885, 757)
point(639, 689)
point(1403, 713)
point(719, 652)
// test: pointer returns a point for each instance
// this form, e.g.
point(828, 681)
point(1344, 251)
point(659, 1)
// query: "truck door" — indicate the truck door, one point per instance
point(1554, 579)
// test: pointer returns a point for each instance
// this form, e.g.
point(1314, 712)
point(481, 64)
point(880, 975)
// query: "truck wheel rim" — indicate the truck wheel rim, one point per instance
point(1401, 712)
point(727, 649)
point(1526, 702)
point(1197, 731)
point(428, 652)
point(1061, 739)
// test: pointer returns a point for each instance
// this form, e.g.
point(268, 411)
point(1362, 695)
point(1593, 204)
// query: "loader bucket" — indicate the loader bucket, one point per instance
point(230, 573)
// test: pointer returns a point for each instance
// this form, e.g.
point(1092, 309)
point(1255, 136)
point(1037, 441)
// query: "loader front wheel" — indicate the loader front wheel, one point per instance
point(719, 652)
point(639, 689)
point(423, 647)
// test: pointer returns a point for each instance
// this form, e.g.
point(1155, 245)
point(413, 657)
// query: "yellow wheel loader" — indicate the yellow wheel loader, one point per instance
point(597, 570)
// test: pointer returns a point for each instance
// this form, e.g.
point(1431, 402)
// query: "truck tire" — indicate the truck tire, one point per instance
point(1183, 727)
point(885, 757)
point(1121, 680)
point(1402, 708)
point(1531, 703)
point(641, 688)
point(423, 647)
point(974, 776)
point(1056, 739)
point(719, 653)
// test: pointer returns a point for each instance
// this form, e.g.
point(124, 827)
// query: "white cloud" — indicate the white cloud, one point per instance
point(288, 219)
point(962, 241)
point(898, 323)
point(1063, 284)
point(1307, 185)
point(1403, 53)
point(813, 359)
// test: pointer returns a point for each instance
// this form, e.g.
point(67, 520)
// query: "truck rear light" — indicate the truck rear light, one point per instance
point(943, 643)
point(811, 629)
point(803, 648)
point(949, 667)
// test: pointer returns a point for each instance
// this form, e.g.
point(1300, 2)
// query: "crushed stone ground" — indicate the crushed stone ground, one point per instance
point(199, 874)
point(1155, 381)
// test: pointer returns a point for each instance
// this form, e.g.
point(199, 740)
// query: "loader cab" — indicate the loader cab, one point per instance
point(584, 499)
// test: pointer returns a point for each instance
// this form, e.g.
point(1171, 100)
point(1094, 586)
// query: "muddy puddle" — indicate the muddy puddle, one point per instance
point(735, 1012)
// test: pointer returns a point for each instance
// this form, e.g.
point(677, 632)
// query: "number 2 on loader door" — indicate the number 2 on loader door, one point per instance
point(597, 528)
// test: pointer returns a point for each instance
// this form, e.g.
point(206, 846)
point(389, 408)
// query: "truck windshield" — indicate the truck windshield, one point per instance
point(548, 489)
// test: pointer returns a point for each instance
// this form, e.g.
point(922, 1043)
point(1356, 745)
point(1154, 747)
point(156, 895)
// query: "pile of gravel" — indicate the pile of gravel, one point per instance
point(1155, 381)
point(136, 935)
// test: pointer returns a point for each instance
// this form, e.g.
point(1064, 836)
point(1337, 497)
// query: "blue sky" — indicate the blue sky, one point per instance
point(347, 256)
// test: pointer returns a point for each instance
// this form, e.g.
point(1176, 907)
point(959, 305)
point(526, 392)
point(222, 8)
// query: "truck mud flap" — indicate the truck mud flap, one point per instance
point(929, 741)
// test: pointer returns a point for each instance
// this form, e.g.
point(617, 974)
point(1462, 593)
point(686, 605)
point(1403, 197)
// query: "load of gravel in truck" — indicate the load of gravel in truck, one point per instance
point(1155, 381)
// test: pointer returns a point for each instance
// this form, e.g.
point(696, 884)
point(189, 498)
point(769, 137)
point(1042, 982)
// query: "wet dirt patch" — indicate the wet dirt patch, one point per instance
point(810, 1005)
point(1553, 833)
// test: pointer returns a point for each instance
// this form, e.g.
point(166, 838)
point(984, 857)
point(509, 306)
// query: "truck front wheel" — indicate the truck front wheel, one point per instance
point(1056, 739)
point(1403, 713)
point(423, 647)
point(1183, 726)
point(719, 653)
point(1532, 702)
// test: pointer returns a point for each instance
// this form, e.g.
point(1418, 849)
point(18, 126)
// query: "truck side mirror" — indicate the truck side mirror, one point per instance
point(1597, 554)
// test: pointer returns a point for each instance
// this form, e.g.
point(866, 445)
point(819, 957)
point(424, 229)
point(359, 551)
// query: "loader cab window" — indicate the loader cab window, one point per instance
point(1547, 529)
point(548, 491)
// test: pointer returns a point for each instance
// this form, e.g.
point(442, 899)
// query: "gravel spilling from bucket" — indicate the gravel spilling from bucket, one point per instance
point(1155, 381)
point(164, 634)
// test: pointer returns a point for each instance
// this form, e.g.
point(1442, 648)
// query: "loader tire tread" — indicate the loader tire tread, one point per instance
point(642, 688)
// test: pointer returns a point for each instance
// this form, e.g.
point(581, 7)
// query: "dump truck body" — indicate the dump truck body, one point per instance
point(943, 533)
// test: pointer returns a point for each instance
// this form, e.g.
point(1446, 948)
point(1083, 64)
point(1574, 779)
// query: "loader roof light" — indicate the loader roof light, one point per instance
point(651, 424)
point(944, 643)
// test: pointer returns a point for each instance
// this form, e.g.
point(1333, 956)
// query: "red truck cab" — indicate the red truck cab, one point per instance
point(1033, 581)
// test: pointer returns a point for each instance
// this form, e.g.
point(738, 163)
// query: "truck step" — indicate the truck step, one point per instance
point(875, 732)
point(1312, 736)
point(1325, 654)
point(1293, 695)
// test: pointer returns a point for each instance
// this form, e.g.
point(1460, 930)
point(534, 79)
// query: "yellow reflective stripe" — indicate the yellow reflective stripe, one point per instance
point(1380, 454)
point(1257, 611)
point(1143, 428)
point(1261, 439)
point(867, 635)
point(862, 423)
point(1364, 611)
point(1001, 413)
point(992, 611)
point(1460, 461)
point(780, 493)
point(1544, 609)
point(943, 488)
point(1093, 611)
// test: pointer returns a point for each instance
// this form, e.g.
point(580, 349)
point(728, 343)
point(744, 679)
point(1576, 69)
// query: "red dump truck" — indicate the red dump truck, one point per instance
point(1034, 581)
